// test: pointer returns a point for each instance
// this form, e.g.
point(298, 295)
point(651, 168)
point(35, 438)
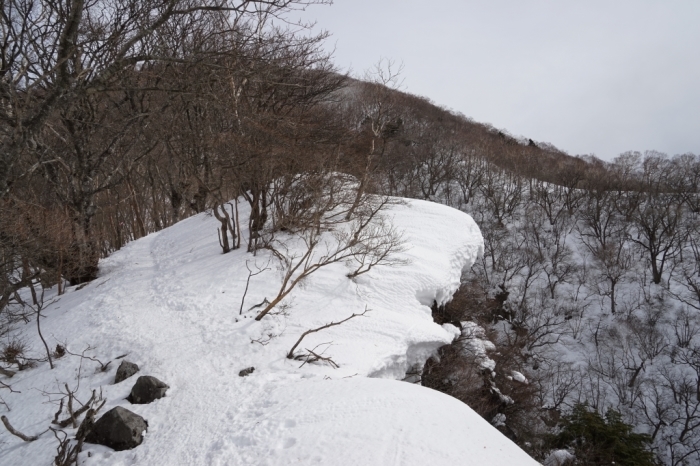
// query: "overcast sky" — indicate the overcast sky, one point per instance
point(589, 76)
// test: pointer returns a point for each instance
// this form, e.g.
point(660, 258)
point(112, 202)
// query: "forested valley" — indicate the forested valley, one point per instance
point(583, 313)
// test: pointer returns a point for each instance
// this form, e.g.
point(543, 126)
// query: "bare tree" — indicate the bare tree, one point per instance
point(54, 52)
point(503, 193)
point(658, 223)
point(379, 115)
point(605, 233)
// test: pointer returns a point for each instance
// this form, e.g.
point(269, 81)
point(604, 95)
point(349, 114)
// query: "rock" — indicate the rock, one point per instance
point(146, 390)
point(126, 369)
point(246, 372)
point(119, 429)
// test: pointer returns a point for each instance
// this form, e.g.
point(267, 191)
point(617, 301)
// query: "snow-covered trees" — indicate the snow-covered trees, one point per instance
point(599, 299)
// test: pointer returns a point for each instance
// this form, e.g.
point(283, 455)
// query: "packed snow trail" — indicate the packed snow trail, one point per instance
point(170, 302)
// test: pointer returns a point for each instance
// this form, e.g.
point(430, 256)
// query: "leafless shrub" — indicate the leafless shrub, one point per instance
point(537, 327)
point(12, 351)
point(558, 384)
point(647, 332)
point(251, 274)
point(503, 192)
point(316, 199)
point(314, 356)
point(95, 402)
point(672, 411)
point(377, 245)
point(15, 351)
point(292, 355)
point(67, 451)
point(271, 333)
point(573, 315)
point(319, 251)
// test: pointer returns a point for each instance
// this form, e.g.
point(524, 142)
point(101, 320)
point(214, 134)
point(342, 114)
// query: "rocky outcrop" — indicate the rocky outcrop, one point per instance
point(147, 389)
point(126, 369)
point(119, 429)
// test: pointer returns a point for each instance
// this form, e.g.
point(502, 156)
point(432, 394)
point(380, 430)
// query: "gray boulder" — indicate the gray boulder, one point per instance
point(125, 370)
point(146, 390)
point(119, 429)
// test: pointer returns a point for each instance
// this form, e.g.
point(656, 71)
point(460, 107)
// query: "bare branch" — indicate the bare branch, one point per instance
point(15, 432)
point(290, 354)
point(247, 282)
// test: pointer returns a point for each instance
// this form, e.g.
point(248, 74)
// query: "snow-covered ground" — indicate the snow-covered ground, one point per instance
point(170, 302)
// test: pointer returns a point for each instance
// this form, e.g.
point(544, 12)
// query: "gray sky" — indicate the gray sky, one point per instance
point(589, 76)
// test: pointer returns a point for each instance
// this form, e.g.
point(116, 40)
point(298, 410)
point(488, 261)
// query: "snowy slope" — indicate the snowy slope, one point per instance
point(171, 302)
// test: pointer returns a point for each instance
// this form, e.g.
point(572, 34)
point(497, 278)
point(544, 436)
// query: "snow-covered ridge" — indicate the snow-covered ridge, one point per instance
point(171, 302)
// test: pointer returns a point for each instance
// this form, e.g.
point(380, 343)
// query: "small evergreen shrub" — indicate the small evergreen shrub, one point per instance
point(599, 440)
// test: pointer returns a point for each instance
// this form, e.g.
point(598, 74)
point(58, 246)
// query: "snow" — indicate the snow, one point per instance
point(170, 302)
point(559, 458)
point(476, 344)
